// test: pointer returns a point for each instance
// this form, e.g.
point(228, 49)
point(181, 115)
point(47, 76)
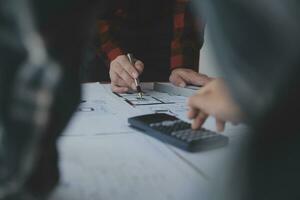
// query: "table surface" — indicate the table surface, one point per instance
point(102, 158)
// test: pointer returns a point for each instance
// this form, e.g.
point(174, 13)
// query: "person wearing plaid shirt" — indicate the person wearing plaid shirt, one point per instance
point(162, 35)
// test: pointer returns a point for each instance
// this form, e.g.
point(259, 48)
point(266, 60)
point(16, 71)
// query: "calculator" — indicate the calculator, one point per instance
point(176, 132)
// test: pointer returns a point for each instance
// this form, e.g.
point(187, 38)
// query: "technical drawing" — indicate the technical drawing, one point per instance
point(149, 98)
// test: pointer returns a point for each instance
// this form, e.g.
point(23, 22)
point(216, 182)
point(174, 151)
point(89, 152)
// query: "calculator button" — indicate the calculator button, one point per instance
point(183, 131)
point(169, 123)
point(178, 134)
point(185, 136)
point(169, 130)
point(155, 124)
point(190, 139)
point(177, 126)
point(184, 126)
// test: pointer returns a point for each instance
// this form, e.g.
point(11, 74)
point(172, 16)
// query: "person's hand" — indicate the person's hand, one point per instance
point(213, 99)
point(122, 74)
point(182, 77)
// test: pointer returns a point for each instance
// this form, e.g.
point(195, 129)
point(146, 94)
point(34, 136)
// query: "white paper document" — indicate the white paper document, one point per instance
point(103, 112)
point(103, 158)
point(124, 167)
point(155, 102)
point(98, 113)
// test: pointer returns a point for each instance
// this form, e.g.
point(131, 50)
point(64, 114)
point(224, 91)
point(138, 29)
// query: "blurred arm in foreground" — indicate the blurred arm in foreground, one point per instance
point(214, 99)
point(257, 43)
point(39, 62)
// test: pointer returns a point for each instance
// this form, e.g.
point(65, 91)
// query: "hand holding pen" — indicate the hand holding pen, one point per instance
point(124, 74)
point(136, 80)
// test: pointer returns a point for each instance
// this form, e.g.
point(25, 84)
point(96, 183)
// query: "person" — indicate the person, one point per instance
point(258, 45)
point(38, 64)
point(214, 99)
point(163, 37)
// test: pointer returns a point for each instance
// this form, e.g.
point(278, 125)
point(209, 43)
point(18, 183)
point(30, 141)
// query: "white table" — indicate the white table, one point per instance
point(102, 158)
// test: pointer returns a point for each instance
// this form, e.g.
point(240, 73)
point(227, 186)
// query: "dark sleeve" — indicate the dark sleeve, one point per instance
point(187, 37)
point(108, 45)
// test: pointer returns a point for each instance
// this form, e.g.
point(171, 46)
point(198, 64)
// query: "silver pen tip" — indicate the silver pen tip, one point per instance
point(140, 95)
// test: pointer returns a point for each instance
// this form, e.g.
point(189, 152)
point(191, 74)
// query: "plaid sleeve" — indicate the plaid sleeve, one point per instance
point(187, 38)
point(108, 46)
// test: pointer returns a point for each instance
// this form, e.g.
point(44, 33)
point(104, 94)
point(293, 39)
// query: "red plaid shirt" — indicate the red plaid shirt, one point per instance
point(185, 39)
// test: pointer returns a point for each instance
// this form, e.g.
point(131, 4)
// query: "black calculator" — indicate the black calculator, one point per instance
point(174, 131)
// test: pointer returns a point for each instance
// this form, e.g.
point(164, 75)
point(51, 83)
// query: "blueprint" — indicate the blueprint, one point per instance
point(101, 157)
point(103, 112)
point(156, 102)
point(149, 98)
point(134, 100)
point(124, 167)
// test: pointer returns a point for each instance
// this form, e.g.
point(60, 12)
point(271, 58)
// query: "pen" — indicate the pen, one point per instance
point(136, 81)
